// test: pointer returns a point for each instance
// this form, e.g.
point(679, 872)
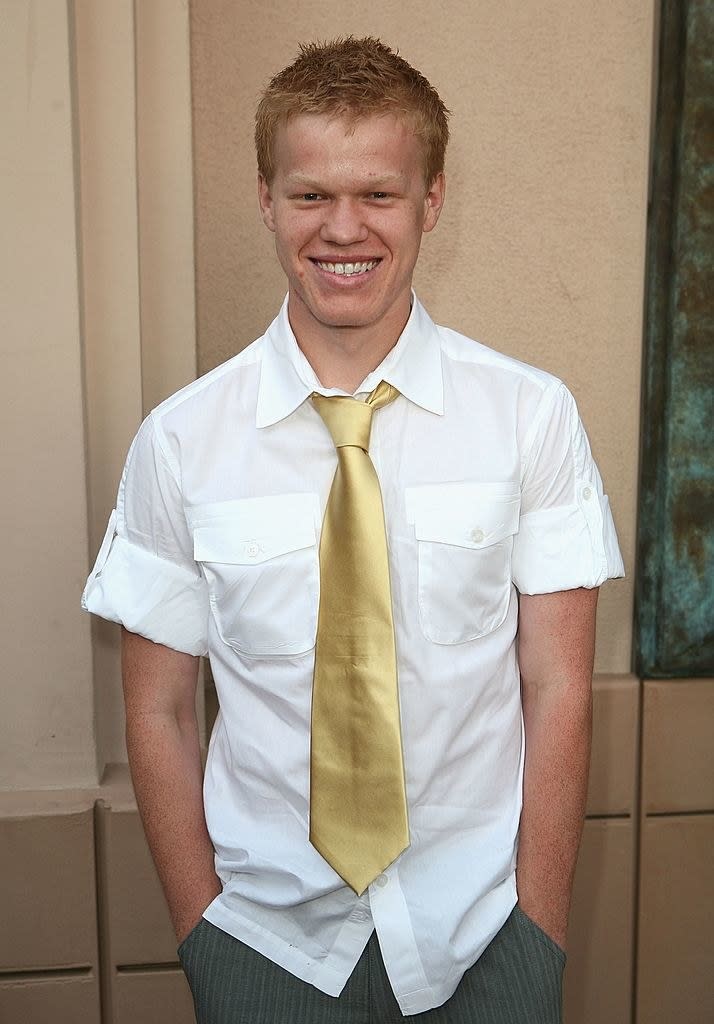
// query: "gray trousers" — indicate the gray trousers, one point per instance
point(517, 980)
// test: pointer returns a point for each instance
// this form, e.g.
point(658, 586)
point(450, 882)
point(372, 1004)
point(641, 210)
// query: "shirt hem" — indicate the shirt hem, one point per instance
point(429, 998)
point(327, 977)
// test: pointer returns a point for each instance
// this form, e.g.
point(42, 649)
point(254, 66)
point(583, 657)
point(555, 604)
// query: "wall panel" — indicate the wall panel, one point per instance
point(598, 976)
point(49, 964)
point(48, 891)
point(677, 748)
point(675, 981)
point(152, 997)
point(63, 1000)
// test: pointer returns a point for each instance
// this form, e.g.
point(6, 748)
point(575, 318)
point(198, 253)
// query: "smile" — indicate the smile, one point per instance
point(347, 269)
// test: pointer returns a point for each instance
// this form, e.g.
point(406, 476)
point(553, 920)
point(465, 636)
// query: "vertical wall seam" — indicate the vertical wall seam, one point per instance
point(79, 247)
point(194, 187)
point(637, 843)
point(105, 1012)
point(137, 200)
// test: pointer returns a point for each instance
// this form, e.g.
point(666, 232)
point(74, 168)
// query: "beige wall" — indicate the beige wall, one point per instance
point(98, 326)
point(540, 250)
point(46, 725)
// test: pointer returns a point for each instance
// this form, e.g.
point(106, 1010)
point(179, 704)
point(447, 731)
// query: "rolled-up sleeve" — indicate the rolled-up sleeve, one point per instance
point(145, 576)
point(566, 537)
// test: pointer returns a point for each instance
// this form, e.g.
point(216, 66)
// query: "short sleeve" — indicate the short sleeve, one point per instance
point(145, 576)
point(566, 537)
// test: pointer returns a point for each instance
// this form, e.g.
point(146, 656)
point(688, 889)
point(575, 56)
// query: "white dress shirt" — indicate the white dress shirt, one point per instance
point(489, 489)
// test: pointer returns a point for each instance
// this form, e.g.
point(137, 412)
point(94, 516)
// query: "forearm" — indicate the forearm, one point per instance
point(165, 762)
point(556, 651)
point(558, 732)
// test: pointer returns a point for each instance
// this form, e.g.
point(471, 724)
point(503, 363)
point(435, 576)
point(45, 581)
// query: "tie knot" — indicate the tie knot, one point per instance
point(349, 420)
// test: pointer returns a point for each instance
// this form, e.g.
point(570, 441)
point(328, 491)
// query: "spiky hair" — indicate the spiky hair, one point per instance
point(352, 79)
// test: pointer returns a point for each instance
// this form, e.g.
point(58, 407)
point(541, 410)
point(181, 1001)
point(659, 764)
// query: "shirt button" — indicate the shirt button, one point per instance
point(252, 550)
point(477, 536)
point(587, 493)
point(381, 881)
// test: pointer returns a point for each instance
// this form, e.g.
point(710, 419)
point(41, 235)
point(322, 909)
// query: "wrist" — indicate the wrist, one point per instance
point(184, 918)
point(549, 916)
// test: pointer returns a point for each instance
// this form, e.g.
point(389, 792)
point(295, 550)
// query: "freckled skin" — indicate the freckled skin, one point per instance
point(165, 760)
point(556, 646)
point(348, 193)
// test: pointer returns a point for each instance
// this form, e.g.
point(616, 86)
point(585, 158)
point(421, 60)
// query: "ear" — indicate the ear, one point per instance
point(434, 201)
point(265, 201)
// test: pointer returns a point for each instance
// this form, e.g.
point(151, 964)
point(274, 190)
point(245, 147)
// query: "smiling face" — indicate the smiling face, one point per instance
point(348, 206)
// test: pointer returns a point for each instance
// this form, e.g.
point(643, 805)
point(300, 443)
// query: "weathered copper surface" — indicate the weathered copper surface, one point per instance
point(675, 615)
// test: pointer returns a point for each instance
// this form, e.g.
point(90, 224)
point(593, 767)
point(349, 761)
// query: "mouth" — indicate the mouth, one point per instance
point(347, 269)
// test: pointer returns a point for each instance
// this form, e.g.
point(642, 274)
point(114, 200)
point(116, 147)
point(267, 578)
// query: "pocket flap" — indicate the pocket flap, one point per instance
point(463, 514)
point(247, 531)
point(227, 542)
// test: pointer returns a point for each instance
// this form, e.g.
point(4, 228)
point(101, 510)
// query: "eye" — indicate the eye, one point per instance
point(379, 195)
point(310, 197)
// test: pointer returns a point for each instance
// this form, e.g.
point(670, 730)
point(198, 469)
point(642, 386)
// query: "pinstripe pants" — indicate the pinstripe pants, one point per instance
point(517, 980)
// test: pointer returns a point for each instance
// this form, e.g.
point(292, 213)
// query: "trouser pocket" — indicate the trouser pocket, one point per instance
point(186, 945)
point(541, 936)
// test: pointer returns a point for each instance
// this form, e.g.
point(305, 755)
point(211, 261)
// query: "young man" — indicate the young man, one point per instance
point(409, 849)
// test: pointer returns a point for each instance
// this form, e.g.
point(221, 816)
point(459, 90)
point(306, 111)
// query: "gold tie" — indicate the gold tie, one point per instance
point(358, 807)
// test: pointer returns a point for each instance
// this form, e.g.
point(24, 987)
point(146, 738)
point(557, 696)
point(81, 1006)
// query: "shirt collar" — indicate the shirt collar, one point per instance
point(413, 367)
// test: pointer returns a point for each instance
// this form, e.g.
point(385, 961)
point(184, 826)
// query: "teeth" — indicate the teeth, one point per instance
point(348, 269)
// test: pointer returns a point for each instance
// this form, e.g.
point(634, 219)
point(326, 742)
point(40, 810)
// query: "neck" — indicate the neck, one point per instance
point(345, 367)
point(343, 356)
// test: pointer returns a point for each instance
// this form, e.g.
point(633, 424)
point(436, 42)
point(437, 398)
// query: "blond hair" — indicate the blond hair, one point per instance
point(352, 78)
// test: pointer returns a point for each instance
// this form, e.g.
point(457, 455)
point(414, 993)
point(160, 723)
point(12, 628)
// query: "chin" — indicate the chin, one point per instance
point(347, 321)
point(353, 316)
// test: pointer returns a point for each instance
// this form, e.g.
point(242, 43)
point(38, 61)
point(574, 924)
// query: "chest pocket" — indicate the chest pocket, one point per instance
point(259, 556)
point(464, 535)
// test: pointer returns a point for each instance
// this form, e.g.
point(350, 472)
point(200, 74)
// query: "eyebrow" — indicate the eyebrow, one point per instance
point(298, 180)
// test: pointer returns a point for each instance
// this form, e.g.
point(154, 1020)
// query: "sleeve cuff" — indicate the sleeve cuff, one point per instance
point(567, 547)
point(148, 595)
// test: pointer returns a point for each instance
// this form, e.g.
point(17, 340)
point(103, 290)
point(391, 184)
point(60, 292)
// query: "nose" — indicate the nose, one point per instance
point(344, 222)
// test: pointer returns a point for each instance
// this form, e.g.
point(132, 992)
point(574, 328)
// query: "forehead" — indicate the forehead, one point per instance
point(375, 145)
